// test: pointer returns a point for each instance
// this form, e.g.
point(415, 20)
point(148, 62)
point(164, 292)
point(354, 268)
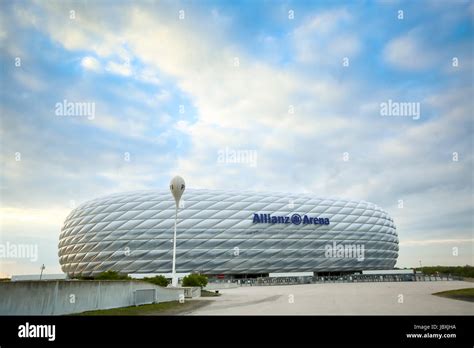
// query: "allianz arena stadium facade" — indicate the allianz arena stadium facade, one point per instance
point(229, 233)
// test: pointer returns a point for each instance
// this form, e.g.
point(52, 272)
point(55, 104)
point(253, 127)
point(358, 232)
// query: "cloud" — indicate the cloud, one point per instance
point(29, 81)
point(90, 63)
point(409, 52)
point(123, 69)
point(247, 106)
point(326, 38)
point(126, 127)
point(51, 217)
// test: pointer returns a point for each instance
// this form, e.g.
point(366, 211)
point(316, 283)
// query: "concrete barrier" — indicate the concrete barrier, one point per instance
point(144, 296)
point(219, 286)
point(192, 291)
point(75, 296)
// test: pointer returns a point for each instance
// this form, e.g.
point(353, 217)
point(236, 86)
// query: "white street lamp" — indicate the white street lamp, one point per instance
point(177, 187)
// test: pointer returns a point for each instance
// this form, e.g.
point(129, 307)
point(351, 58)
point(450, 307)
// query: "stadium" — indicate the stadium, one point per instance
point(227, 234)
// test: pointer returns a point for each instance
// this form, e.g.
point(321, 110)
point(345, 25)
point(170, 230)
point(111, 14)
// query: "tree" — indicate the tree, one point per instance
point(195, 280)
point(158, 280)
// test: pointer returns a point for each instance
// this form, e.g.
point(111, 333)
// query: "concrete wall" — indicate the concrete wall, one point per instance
point(24, 277)
point(218, 286)
point(192, 291)
point(66, 297)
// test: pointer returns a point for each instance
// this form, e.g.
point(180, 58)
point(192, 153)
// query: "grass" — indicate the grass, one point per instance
point(207, 293)
point(163, 308)
point(466, 294)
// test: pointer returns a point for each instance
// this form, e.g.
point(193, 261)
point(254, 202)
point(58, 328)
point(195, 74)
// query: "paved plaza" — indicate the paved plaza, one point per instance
point(389, 298)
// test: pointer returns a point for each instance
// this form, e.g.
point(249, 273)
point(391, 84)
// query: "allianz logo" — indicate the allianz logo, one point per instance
point(295, 219)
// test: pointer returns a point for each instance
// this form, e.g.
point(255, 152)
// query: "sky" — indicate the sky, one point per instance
point(111, 96)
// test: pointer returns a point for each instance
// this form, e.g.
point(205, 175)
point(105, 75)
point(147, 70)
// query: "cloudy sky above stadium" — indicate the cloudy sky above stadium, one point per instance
point(105, 97)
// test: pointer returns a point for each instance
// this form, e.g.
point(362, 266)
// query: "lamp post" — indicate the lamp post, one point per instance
point(42, 269)
point(177, 187)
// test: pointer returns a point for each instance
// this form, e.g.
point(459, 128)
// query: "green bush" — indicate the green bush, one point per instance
point(112, 275)
point(461, 271)
point(195, 280)
point(158, 280)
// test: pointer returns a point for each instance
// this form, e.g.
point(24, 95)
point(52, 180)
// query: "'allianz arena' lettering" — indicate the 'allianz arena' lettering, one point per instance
point(295, 219)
